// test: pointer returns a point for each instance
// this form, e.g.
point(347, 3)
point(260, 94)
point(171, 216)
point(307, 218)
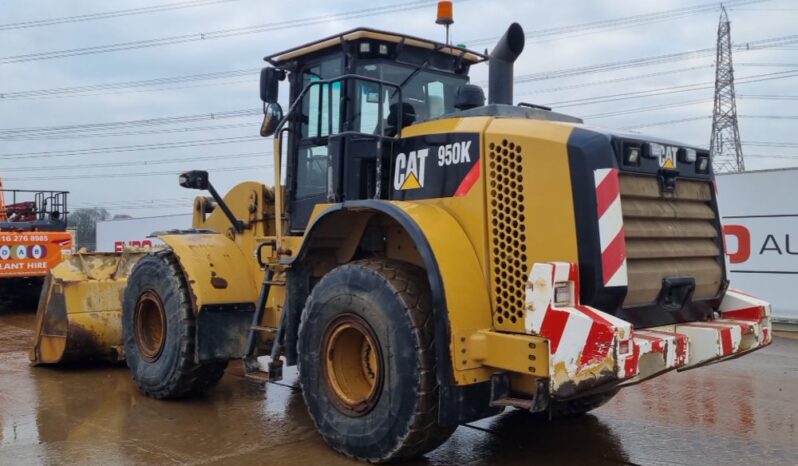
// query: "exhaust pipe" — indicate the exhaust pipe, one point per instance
point(500, 65)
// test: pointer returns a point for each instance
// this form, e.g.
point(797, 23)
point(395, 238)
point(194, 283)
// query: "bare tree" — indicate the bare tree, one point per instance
point(85, 222)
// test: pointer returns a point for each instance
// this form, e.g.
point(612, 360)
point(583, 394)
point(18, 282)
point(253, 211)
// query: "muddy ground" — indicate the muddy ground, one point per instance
point(740, 412)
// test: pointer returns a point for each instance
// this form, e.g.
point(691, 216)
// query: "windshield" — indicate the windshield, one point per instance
point(430, 93)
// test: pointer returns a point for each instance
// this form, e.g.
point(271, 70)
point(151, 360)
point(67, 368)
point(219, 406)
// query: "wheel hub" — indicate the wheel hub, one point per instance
point(150, 325)
point(353, 364)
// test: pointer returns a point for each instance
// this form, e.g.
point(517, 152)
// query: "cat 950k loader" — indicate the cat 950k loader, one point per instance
point(425, 258)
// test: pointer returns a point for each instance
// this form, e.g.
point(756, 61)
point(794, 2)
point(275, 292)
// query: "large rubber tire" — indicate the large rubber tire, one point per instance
point(173, 372)
point(393, 299)
point(579, 406)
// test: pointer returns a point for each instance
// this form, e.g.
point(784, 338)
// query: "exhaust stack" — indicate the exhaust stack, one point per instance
point(500, 65)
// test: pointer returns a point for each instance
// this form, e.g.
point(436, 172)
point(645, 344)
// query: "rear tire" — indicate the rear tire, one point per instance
point(367, 362)
point(159, 335)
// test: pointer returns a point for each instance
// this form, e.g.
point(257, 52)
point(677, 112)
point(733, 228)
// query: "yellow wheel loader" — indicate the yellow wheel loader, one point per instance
point(426, 258)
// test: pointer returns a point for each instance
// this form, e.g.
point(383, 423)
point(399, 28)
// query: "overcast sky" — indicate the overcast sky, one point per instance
point(128, 182)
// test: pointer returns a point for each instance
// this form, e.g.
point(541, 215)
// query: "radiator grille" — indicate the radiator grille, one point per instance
point(507, 234)
point(669, 235)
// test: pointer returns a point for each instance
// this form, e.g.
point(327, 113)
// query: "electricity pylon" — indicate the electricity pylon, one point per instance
point(724, 146)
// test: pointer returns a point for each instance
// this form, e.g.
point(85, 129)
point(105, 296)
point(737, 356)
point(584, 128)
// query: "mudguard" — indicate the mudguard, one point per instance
point(458, 283)
point(223, 291)
point(216, 270)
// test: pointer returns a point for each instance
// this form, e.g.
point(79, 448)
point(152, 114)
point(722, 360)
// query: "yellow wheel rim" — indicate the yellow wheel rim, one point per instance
point(353, 371)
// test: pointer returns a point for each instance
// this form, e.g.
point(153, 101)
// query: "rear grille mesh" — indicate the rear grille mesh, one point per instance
point(507, 234)
point(669, 235)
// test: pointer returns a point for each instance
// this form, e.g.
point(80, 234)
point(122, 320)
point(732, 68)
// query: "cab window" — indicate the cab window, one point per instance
point(320, 117)
point(429, 93)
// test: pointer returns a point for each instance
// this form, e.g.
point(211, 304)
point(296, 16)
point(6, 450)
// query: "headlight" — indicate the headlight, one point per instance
point(688, 155)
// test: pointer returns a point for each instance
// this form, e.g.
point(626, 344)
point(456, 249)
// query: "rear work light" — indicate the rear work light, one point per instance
point(624, 347)
point(631, 154)
point(563, 294)
point(655, 151)
point(702, 163)
point(687, 155)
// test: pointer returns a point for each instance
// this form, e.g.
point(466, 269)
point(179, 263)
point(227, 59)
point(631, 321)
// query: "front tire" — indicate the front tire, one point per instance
point(367, 363)
point(158, 329)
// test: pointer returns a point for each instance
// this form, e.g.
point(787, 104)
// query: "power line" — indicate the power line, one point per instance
point(646, 109)
point(770, 144)
point(614, 23)
point(84, 127)
point(778, 65)
point(60, 136)
point(135, 202)
point(615, 80)
point(166, 161)
point(576, 30)
point(767, 97)
point(651, 60)
point(668, 90)
point(223, 82)
point(110, 14)
point(520, 79)
point(222, 33)
point(668, 122)
point(60, 91)
point(770, 117)
point(132, 148)
point(553, 74)
point(94, 127)
point(763, 9)
point(774, 156)
point(129, 175)
point(706, 117)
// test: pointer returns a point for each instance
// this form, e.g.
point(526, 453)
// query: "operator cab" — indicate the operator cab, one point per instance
point(351, 95)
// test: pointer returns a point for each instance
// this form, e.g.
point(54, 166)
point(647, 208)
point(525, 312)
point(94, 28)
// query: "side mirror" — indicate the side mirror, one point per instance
point(272, 115)
point(195, 179)
point(269, 84)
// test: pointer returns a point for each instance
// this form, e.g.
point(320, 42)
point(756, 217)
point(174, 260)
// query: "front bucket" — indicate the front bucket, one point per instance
point(80, 310)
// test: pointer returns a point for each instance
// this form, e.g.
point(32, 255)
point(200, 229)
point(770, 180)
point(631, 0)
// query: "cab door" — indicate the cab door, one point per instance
point(318, 119)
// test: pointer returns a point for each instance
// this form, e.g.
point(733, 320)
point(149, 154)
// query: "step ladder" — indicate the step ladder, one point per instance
point(252, 368)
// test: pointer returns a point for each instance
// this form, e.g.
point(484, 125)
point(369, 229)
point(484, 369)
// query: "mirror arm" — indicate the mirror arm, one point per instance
point(238, 225)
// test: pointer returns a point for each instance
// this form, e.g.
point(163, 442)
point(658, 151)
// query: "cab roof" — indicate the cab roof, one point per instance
point(366, 33)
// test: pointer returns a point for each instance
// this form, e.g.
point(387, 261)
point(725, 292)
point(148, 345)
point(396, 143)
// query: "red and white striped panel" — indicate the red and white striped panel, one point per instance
point(611, 235)
point(582, 340)
point(744, 326)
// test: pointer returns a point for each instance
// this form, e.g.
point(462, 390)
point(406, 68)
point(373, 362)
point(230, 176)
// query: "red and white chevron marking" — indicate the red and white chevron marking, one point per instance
point(611, 235)
point(582, 340)
point(592, 347)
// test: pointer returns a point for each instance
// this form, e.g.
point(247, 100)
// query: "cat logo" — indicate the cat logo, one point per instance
point(409, 168)
point(667, 158)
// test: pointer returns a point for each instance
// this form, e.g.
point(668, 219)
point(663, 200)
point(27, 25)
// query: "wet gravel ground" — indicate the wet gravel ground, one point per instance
point(743, 411)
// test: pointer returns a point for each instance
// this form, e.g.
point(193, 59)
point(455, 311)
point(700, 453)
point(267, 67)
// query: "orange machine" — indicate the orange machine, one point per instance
point(3, 216)
point(33, 239)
